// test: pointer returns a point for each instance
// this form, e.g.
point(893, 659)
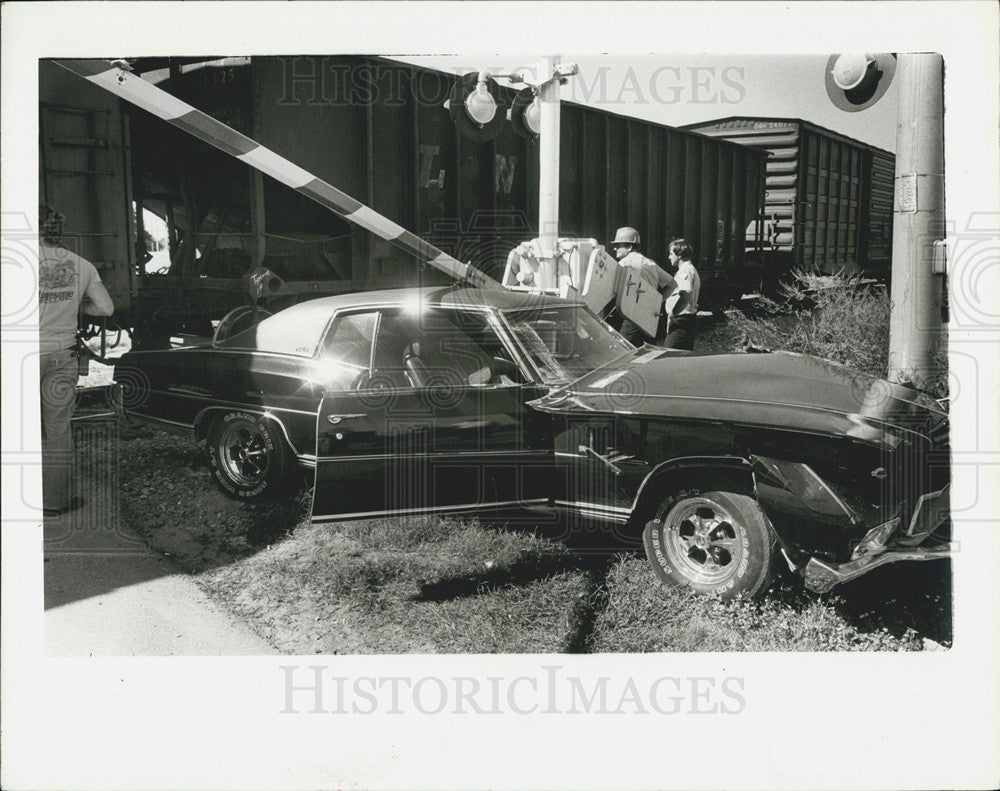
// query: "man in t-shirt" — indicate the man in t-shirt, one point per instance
point(67, 285)
point(681, 305)
point(626, 247)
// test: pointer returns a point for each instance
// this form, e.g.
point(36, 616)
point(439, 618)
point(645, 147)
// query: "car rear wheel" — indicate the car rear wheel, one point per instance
point(249, 458)
point(715, 542)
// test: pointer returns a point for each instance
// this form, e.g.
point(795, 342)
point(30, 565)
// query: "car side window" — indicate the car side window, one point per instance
point(440, 348)
point(350, 338)
point(346, 350)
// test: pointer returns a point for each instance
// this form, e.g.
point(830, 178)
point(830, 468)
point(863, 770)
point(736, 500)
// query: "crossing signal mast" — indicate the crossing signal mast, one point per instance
point(854, 82)
point(549, 263)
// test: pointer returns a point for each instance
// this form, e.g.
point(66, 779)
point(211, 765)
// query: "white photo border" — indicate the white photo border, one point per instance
point(808, 721)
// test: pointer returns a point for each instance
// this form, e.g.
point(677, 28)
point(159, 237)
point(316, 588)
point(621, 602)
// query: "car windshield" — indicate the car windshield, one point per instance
point(565, 342)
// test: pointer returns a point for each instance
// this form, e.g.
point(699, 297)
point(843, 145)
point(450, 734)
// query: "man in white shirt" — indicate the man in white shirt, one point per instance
point(681, 305)
point(67, 285)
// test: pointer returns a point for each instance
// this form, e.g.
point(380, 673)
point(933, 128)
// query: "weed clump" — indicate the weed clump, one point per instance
point(837, 317)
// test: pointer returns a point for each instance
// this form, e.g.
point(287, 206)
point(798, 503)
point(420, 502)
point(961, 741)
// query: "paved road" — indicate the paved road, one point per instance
point(164, 614)
point(107, 594)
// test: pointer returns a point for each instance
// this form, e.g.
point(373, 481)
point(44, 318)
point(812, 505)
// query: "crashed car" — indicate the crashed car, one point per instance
point(451, 399)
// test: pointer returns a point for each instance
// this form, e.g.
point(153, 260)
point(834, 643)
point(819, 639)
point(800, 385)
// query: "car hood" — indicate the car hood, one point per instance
point(779, 389)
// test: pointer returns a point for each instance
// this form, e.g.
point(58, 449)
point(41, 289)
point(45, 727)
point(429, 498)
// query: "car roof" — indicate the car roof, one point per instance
point(464, 296)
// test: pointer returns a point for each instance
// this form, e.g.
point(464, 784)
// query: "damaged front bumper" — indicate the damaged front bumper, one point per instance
point(820, 576)
point(880, 546)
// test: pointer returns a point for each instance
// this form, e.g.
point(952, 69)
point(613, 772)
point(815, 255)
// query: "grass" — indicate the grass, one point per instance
point(417, 585)
point(432, 585)
point(642, 615)
point(420, 585)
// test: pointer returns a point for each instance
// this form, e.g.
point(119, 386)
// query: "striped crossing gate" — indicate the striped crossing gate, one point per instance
point(134, 89)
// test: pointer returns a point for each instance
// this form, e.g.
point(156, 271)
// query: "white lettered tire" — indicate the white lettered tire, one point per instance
point(714, 542)
point(248, 455)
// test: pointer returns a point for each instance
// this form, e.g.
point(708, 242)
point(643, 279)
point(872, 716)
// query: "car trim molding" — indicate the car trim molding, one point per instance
point(244, 351)
point(219, 403)
point(610, 513)
point(882, 425)
point(436, 454)
point(593, 506)
point(424, 510)
point(163, 420)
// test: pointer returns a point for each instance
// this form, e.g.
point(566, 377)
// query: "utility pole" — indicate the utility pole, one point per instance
point(918, 221)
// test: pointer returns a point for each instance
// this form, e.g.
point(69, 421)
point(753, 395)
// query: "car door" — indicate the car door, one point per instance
point(439, 422)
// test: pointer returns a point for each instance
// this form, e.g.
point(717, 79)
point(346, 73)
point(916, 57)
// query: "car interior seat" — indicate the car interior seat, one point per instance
point(415, 367)
point(443, 361)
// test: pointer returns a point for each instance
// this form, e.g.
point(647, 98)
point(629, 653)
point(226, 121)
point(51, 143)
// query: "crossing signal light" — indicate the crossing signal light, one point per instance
point(476, 107)
point(855, 81)
point(525, 112)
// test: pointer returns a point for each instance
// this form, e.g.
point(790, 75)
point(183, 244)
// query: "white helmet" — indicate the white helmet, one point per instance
point(627, 235)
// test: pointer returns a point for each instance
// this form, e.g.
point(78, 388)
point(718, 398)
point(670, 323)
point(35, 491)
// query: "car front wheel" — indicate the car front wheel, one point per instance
point(247, 455)
point(715, 542)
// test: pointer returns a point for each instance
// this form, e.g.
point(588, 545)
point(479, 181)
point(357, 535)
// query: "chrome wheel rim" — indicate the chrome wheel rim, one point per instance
point(244, 454)
point(703, 540)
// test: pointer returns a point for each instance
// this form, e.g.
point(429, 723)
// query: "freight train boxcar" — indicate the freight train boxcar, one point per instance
point(828, 204)
point(85, 171)
point(378, 130)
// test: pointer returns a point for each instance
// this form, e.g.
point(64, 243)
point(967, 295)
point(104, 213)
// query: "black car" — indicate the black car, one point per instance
point(450, 399)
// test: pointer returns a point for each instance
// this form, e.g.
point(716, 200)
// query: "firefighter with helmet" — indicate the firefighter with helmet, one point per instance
point(626, 248)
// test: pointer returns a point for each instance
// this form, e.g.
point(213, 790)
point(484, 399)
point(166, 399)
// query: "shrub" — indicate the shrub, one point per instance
point(838, 317)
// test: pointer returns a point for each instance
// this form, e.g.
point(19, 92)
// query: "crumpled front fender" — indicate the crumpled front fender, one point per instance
point(808, 516)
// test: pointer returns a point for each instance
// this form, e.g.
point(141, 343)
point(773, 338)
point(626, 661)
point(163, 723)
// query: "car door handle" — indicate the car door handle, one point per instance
point(619, 458)
point(335, 419)
point(609, 464)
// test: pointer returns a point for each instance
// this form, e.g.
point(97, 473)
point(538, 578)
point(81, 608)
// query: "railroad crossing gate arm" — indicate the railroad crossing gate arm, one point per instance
point(134, 89)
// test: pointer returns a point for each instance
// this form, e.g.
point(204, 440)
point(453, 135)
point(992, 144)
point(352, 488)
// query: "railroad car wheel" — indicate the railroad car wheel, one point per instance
point(249, 458)
point(715, 542)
